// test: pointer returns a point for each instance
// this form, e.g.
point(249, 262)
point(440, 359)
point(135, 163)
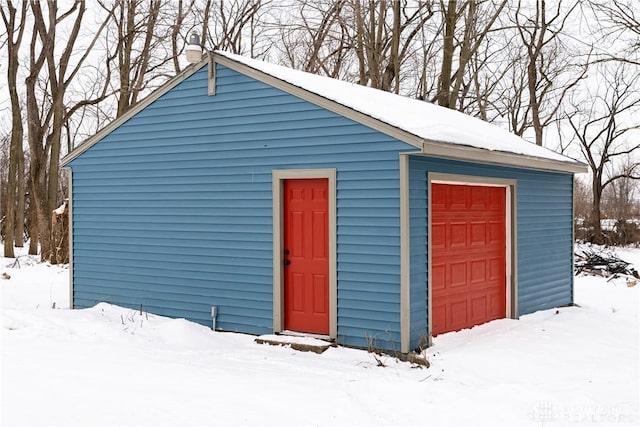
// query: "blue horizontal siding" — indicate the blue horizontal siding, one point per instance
point(172, 210)
point(544, 231)
point(418, 259)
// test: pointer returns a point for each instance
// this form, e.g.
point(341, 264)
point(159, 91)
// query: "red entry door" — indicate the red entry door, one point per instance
point(468, 256)
point(306, 255)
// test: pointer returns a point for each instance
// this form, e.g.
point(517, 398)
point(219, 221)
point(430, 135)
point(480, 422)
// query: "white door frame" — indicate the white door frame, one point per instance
point(278, 178)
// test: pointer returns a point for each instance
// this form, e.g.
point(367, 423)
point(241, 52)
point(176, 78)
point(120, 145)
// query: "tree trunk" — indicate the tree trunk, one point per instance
point(447, 55)
point(60, 235)
point(33, 226)
point(12, 25)
point(532, 72)
point(46, 159)
point(393, 73)
point(362, 75)
point(9, 221)
point(598, 238)
point(124, 55)
point(54, 156)
point(20, 199)
point(372, 45)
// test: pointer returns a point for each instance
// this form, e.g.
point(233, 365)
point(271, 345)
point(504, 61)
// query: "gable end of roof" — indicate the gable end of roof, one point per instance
point(173, 82)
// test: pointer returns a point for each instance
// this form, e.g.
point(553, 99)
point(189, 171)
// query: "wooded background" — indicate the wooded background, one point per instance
point(563, 73)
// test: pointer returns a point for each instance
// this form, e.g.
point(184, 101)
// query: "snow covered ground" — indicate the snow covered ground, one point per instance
point(113, 366)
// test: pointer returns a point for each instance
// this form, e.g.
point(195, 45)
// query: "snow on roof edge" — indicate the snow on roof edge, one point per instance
point(408, 115)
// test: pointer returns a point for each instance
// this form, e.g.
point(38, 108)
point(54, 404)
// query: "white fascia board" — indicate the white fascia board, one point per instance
point(478, 155)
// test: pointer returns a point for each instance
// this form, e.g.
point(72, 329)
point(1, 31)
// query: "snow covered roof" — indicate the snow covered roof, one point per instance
point(433, 130)
point(424, 120)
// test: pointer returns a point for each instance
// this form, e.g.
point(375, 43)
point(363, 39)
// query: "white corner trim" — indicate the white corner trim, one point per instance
point(405, 254)
point(277, 190)
point(211, 74)
point(277, 186)
point(70, 231)
point(573, 239)
point(429, 275)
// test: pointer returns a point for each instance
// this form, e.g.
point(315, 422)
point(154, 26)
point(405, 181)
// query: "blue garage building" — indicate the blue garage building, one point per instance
point(295, 203)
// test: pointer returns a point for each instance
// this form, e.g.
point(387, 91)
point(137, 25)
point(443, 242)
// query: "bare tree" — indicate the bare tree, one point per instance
point(182, 10)
point(619, 21)
point(228, 25)
point(138, 45)
point(37, 124)
point(319, 40)
point(379, 38)
point(581, 207)
point(52, 70)
point(4, 168)
point(601, 122)
point(385, 35)
point(478, 17)
point(15, 24)
point(545, 60)
point(618, 198)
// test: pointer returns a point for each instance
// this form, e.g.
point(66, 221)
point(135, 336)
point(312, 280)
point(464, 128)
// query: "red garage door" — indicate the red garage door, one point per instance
point(468, 265)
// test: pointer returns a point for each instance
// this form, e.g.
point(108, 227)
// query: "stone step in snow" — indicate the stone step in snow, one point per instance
point(297, 343)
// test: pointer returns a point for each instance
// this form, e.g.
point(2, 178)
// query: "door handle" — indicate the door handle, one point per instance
point(287, 262)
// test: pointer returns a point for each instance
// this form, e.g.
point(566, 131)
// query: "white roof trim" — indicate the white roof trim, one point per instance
point(473, 154)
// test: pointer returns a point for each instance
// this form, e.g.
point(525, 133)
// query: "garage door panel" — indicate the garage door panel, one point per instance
point(497, 306)
point(438, 316)
point(478, 198)
point(495, 199)
point(469, 260)
point(458, 274)
point(457, 236)
point(496, 269)
point(438, 276)
point(438, 200)
point(438, 235)
point(479, 307)
point(478, 271)
point(496, 232)
point(478, 233)
point(458, 313)
point(456, 198)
